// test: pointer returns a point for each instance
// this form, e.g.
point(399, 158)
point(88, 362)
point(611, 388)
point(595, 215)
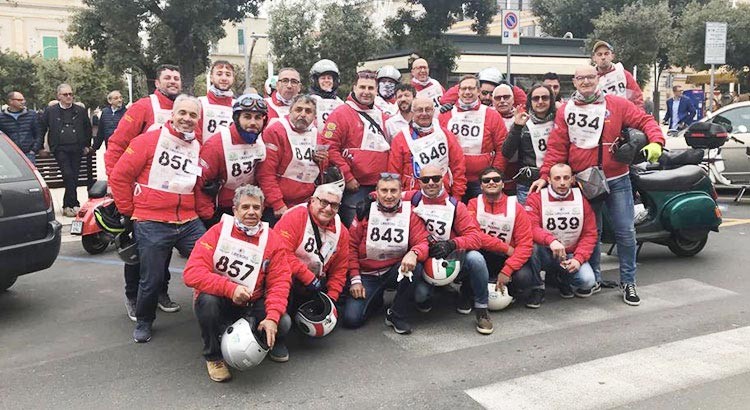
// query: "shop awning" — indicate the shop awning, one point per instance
point(721, 76)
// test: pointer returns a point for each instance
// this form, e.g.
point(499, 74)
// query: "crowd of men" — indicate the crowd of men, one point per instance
point(402, 186)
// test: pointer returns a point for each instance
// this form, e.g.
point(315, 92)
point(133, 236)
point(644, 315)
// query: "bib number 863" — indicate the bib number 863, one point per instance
point(233, 268)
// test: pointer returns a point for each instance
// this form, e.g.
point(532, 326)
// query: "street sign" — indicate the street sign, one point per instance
point(716, 43)
point(511, 23)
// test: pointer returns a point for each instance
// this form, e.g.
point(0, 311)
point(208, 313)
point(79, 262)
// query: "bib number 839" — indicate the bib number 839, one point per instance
point(562, 223)
point(233, 268)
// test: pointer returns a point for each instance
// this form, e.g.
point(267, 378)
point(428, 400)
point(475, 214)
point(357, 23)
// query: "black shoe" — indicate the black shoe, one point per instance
point(629, 295)
point(142, 332)
point(130, 308)
point(167, 304)
point(279, 353)
point(584, 293)
point(536, 298)
point(565, 291)
point(425, 307)
point(597, 288)
point(399, 325)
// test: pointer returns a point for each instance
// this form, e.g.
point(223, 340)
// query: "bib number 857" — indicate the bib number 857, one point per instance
point(233, 268)
point(388, 235)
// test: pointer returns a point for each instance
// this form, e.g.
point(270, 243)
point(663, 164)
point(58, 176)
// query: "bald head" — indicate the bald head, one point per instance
point(434, 185)
point(585, 80)
point(420, 70)
point(423, 111)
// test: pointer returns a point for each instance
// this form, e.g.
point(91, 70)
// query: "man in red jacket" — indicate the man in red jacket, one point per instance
point(288, 86)
point(425, 142)
point(426, 86)
point(217, 104)
point(506, 239)
point(452, 228)
point(489, 79)
point(318, 243)
point(292, 164)
point(239, 269)
point(586, 128)
point(231, 159)
point(479, 130)
point(153, 184)
point(564, 229)
point(614, 79)
point(355, 133)
point(387, 242)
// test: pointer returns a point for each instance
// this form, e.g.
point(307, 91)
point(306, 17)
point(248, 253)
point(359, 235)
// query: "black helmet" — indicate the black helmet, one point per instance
point(127, 248)
point(629, 146)
point(109, 218)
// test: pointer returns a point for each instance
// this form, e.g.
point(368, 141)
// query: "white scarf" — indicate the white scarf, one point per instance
point(217, 92)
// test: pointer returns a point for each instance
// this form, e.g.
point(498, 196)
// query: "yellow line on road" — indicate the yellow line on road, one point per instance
point(727, 222)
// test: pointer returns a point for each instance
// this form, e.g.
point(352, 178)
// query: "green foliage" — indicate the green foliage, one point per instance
point(260, 72)
point(558, 17)
point(291, 33)
point(17, 74)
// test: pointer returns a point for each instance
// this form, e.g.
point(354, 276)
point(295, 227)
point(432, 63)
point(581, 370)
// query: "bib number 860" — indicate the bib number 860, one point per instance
point(233, 269)
point(388, 235)
point(465, 130)
point(562, 223)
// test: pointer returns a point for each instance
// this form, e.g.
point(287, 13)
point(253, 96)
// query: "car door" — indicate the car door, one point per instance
point(735, 154)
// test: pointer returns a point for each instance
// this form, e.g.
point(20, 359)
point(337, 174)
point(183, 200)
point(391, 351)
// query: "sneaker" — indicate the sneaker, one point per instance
point(279, 353)
point(464, 304)
point(76, 209)
point(484, 323)
point(167, 304)
point(425, 307)
point(565, 291)
point(399, 325)
point(130, 308)
point(583, 293)
point(142, 332)
point(68, 212)
point(597, 288)
point(218, 370)
point(536, 298)
point(629, 295)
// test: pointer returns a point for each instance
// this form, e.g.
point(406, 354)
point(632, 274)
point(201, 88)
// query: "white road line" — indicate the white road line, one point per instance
point(625, 378)
point(454, 332)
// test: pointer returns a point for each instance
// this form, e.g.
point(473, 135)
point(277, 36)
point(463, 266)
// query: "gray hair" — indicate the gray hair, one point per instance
point(328, 190)
point(247, 190)
point(112, 93)
point(289, 69)
point(304, 99)
point(63, 85)
point(184, 97)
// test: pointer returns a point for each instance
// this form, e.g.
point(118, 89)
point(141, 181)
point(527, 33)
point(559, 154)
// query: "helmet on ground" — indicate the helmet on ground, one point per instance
point(127, 248)
point(441, 272)
point(389, 71)
point(317, 317)
point(242, 346)
point(490, 75)
point(498, 299)
point(109, 218)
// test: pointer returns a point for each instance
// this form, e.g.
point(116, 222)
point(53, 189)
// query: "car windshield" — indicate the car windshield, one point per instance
point(12, 166)
point(738, 119)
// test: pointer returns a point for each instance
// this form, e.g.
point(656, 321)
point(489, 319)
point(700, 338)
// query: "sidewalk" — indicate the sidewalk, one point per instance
point(57, 193)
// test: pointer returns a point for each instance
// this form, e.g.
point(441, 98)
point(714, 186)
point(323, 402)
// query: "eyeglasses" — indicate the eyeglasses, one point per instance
point(252, 103)
point(325, 204)
point(420, 68)
point(66, 94)
point(389, 176)
point(502, 97)
point(433, 178)
point(285, 81)
point(427, 110)
point(537, 98)
point(18, 99)
point(591, 77)
point(496, 180)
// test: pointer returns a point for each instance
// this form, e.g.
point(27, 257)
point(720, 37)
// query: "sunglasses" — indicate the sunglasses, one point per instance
point(502, 97)
point(433, 178)
point(252, 103)
point(538, 98)
point(325, 204)
point(389, 176)
point(496, 180)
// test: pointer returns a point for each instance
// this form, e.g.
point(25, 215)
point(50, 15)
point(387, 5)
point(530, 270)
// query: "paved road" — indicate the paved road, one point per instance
point(65, 342)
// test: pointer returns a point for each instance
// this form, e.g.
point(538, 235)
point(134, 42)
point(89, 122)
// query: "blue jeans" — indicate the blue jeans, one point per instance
point(32, 157)
point(543, 260)
point(474, 270)
point(155, 243)
point(621, 213)
point(522, 192)
point(473, 189)
point(522, 280)
point(351, 201)
point(356, 311)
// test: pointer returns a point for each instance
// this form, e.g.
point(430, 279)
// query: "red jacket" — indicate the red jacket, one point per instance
point(214, 168)
point(274, 279)
point(400, 161)
point(621, 113)
point(279, 190)
point(433, 83)
point(521, 241)
point(343, 133)
point(589, 235)
point(358, 247)
point(291, 228)
point(272, 113)
point(136, 120)
point(634, 93)
point(451, 96)
point(144, 203)
point(492, 143)
point(465, 231)
point(212, 99)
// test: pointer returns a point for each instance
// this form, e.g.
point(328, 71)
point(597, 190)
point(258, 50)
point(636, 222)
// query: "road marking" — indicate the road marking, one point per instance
point(727, 222)
point(625, 378)
point(455, 332)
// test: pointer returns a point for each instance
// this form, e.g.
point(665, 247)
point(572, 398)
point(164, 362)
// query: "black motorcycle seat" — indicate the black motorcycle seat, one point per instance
point(98, 189)
point(679, 179)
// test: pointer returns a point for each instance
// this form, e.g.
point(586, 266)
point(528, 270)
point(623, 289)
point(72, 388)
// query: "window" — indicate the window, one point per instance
point(736, 118)
point(49, 48)
point(241, 41)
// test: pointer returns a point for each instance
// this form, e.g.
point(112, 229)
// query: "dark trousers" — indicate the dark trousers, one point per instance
point(216, 313)
point(69, 160)
point(356, 311)
point(522, 280)
point(133, 277)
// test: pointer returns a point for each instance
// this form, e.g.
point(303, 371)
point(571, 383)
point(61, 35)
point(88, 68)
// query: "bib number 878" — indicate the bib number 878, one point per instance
point(233, 269)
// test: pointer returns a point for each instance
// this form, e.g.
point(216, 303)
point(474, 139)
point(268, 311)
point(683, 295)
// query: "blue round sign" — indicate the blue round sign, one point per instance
point(511, 20)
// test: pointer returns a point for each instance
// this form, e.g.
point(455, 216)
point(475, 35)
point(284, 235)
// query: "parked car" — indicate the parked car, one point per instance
point(735, 153)
point(29, 234)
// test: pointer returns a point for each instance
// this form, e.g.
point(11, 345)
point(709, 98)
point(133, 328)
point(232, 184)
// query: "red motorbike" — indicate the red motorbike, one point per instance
point(98, 221)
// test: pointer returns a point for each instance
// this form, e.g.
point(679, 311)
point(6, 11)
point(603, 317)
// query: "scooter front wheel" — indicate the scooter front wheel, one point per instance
point(96, 243)
point(685, 247)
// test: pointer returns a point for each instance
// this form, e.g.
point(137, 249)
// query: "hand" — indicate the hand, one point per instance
point(127, 224)
point(281, 211)
point(502, 281)
point(520, 118)
point(320, 156)
point(409, 262)
point(88, 150)
point(357, 291)
point(314, 286)
point(511, 251)
point(241, 295)
point(571, 265)
point(270, 327)
point(538, 185)
point(652, 151)
point(352, 185)
point(441, 249)
point(558, 250)
point(445, 108)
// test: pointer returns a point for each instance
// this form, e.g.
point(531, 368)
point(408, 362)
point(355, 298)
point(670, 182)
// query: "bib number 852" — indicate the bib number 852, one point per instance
point(233, 268)
point(174, 161)
point(388, 235)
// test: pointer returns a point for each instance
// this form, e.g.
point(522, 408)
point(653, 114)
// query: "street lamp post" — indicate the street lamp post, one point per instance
point(249, 55)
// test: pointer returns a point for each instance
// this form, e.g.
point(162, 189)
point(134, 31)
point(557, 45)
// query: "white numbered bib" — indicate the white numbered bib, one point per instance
point(161, 115)
point(585, 123)
point(388, 234)
point(174, 167)
point(307, 251)
point(372, 139)
point(240, 160)
point(395, 124)
point(281, 110)
point(215, 117)
point(389, 109)
point(433, 92)
point(564, 219)
point(438, 218)
point(497, 225)
point(468, 127)
point(236, 259)
point(614, 82)
point(302, 168)
point(539, 135)
point(323, 108)
point(429, 149)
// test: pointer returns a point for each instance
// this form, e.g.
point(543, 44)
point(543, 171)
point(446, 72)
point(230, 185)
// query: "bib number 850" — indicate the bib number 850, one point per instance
point(175, 161)
point(388, 235)
point(233, 268)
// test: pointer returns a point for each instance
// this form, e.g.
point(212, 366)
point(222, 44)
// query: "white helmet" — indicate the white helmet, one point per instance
point(441, 272)
point(243, 347)
point(498, 299)
point(270, 85)
point(490, 75)
point(324, 66)
point(317, 317)
point(389, 71)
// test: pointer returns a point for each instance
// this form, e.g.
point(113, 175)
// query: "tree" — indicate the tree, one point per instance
point(17, 73)
point(291, 33)
point(423, 32)
point(575, 16)
point(90, 82)
point(177, 32)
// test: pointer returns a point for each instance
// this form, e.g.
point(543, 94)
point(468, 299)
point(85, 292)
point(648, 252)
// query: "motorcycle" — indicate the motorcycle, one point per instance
point(94, 238)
